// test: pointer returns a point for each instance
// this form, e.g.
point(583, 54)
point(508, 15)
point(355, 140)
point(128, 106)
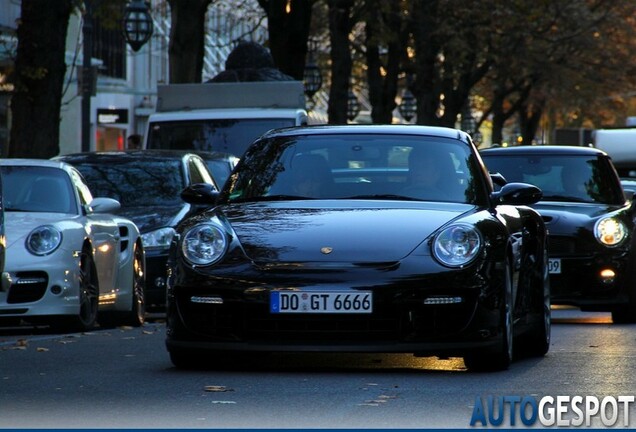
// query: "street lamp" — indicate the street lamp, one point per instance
point(353, 106)
point(408, 106)
point(137, 24)
point(312, 76)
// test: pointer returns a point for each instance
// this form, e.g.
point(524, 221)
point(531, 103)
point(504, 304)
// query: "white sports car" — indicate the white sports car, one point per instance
point(68, 257)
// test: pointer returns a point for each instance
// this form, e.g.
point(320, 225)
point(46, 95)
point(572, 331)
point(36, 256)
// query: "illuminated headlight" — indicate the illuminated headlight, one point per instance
point(609, 231)
point(158, 239)
point(204, 244)
point(457, 245)
point(43, 240)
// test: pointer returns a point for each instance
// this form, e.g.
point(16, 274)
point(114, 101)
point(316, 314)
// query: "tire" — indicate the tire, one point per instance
point(137, 314)
point(625, 314)
point(186, 359)
point(500, 357)
point(538, 340)
point(86, 319)
point(135, 317)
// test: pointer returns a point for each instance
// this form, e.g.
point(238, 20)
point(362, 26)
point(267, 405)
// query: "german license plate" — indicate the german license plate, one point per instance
point(554, 266)
point(321, 302)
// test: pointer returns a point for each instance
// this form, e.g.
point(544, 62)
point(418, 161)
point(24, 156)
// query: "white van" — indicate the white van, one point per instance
point(620, 144)
point(223, 117)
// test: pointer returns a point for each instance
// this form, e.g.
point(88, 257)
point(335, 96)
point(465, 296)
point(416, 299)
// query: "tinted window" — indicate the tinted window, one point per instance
point(561, 178)
point(134, 182)
point(228, 136)
point(37, 189)
point(356, 166)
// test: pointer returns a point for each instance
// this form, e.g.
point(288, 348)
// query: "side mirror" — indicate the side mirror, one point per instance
point(200, 194)
point(104, 205)
point(517, 194)
point(498, 179)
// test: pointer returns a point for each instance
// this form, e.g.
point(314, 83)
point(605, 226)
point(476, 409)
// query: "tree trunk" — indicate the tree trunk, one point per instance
point(339, 28)
point(426, 86)
point(288, 33)
point(529, 120)
point(383, 89)
point(39, 78)
point(187, 35)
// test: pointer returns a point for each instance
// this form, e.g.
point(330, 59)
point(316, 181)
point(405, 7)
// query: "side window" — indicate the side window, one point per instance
point(198, 172)
point(85, 194)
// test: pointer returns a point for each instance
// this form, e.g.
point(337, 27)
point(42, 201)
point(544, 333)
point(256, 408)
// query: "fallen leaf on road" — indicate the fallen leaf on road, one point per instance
point(40, 349)
point(223, 402)
point(214, 388)
point(65, 341)
point(22, 342)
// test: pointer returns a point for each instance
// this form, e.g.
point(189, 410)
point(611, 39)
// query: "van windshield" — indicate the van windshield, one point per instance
point(222, 135)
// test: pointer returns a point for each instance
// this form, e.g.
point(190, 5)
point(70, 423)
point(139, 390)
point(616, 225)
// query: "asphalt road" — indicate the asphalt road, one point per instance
point(123, 378)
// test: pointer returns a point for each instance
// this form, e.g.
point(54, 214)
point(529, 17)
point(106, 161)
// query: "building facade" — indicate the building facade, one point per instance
point(126, 84)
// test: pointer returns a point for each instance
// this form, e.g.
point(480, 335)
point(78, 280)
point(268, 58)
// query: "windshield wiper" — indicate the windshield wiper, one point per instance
point(273, 198)
point(384, 196)
point(565, 198)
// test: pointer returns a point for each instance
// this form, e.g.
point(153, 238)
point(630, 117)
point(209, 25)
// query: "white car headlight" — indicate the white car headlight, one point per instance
point(457, 245)
point(43, 240)
point(204, 244)
point(158, 239)
point(610, 231)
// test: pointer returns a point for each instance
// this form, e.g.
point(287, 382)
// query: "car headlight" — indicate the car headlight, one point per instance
point(43, 240)
point(610, 231)
point(158, 239)
point(457, 245)
point(204, 244)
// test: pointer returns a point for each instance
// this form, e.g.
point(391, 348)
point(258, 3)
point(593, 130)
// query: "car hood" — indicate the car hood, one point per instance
point(276, 232)
point(567, 218)
point(19, 224)
point(150, 218)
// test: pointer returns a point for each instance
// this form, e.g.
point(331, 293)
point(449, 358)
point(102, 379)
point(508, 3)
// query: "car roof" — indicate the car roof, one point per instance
point(436, 131)
point(556, 150)
point(126, 155)
point(34, 162)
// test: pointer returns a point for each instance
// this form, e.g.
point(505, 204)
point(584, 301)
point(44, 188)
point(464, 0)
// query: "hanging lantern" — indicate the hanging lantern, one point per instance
point(137, 24)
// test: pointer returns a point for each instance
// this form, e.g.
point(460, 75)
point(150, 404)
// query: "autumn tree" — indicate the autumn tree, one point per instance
point(39, 78)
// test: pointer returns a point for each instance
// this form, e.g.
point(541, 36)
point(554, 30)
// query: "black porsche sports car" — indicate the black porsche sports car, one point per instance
point(148, 184)
point(590, 223)
point(351, 239)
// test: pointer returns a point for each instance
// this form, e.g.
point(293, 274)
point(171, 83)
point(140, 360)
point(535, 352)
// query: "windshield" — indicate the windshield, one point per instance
point(37, 189)
point(372, 166)
point(155, 182)
point(561, 178)
point(221, 135)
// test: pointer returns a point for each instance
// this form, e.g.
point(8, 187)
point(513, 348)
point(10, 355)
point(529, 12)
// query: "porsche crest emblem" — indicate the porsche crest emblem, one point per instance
point(326, 250)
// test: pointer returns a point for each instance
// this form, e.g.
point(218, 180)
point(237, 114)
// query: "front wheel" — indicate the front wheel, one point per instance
point(500, 357)
point(625, 314)
point(88, 297)
point(135, 317)
point(137, 314)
